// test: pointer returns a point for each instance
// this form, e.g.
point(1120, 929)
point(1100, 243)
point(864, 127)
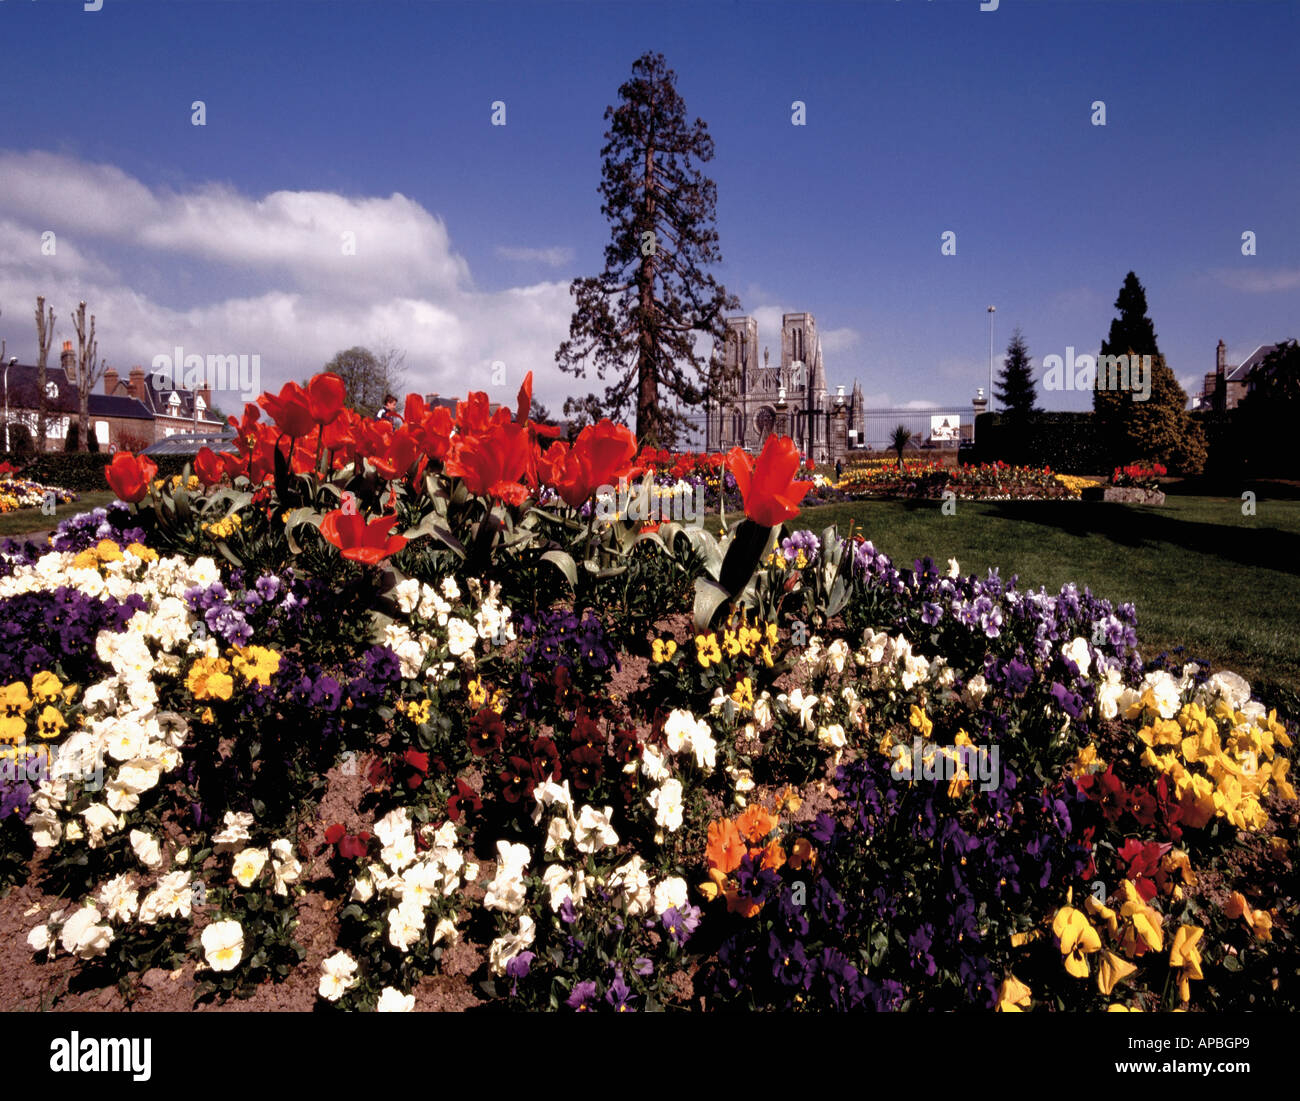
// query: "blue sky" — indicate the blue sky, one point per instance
point(923, 116)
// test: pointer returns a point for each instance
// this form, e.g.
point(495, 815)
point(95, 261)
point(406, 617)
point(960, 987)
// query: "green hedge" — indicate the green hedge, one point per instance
point(79, 472)
point(1066, 442)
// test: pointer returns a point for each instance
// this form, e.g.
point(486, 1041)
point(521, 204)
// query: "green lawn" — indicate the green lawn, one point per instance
point(27, 520)
point(1201, 574)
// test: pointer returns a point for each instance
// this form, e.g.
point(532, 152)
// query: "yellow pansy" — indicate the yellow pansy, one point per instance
point(772, 634)
point(50, 724)
point(1099, 909)
point(46, 687)
point(256, 664)
point(662, 649)
point(1260, 921)
point(418, 711)
point(1077, 939)
point(921, 721)
point(743, 693)
point(707, 650)
point(1013, 996)
point(14, 705)
point(145, 554)
point(1185, 956)
point(1142, 924)
point(731, 643)
point(1112, 969)
point(209, 679)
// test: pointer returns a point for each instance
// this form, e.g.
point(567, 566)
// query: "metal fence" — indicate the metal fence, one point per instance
point(927, 426)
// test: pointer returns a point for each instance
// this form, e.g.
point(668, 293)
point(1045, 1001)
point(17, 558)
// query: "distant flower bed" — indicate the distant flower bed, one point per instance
point(928, 478)
point(16, 493)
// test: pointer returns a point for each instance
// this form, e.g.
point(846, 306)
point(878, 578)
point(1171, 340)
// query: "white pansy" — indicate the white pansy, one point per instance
point(954, 570)
point(633, 885)
point(593, 831)
point(653, 764)
point(763, 710)
point(394, 1001)
point(46, 829)
point(146, 848)
point(669, 893)
point(667, 803)
point(223, 945)
point(119, 897)
point(1076, 650)
point(504, 949)
point(832, 736)
point(405, 925)
point(84, 936)
point(99, 821)
point(407, 595)
point(248, 866)
point(39, 939)
point(975, 691)
point(337, 976)
point(461, 637)
point(557, 833)
point(393, 825)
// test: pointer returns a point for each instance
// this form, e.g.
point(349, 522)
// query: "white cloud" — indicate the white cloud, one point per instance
point(218, 272)
point(555, 257)
point(839, 340)
point(1265, 281)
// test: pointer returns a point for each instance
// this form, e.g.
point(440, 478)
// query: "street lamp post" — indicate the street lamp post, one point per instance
point(992, 311)
point(10, 363)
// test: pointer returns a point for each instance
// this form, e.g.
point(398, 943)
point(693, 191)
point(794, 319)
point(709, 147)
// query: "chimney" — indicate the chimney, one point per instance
point(205, 392)
point(68, 361)
point(110, 380)
point(136, 385)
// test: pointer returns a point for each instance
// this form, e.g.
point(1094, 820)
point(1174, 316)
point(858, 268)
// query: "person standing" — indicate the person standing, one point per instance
point(389, 412)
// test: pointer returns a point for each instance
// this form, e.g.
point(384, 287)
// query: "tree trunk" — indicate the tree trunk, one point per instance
point(44, 336)
point(647, 402)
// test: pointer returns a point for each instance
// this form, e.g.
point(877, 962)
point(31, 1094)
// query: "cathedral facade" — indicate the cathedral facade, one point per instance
point(788, 399)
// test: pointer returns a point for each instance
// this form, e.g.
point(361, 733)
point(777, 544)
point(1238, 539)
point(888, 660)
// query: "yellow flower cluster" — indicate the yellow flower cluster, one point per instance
point(750, 641)
point(1075, 483)
point(106, 551)
point(209, 679)
point(1221, 765)
point(191, 483)
point(416, 710)
point(20, 705)
point(224, 529)
point(480, 697)
point(256, 664)
point(1133, 925)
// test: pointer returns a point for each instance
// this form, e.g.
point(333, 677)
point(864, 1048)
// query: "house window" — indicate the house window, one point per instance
point(101, 432)
point(56, 428)
point(52, 391)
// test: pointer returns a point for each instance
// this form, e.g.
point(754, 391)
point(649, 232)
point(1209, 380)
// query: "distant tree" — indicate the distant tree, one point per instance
point(639, 319)
point(44, 338)
point(1015, 389)
point(89, 372)
point(369, 376)
point(1158, 429)
point(898, 441)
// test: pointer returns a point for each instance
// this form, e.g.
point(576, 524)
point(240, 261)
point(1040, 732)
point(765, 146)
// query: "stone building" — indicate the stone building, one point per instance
point(790, 398)
point(1224, 387)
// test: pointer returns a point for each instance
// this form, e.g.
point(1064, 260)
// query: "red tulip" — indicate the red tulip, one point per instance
point(129, 475)
point(492, 462)
point(601, 455)
point(208, 466)
point(768, 488)
point(326, 394)
point(399, 452)
point(290, 410)
point(361, 541)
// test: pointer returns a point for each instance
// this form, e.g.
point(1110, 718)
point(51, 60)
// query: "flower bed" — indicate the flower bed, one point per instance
point(388, 721)
point(16, 492)
point(929, 478)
